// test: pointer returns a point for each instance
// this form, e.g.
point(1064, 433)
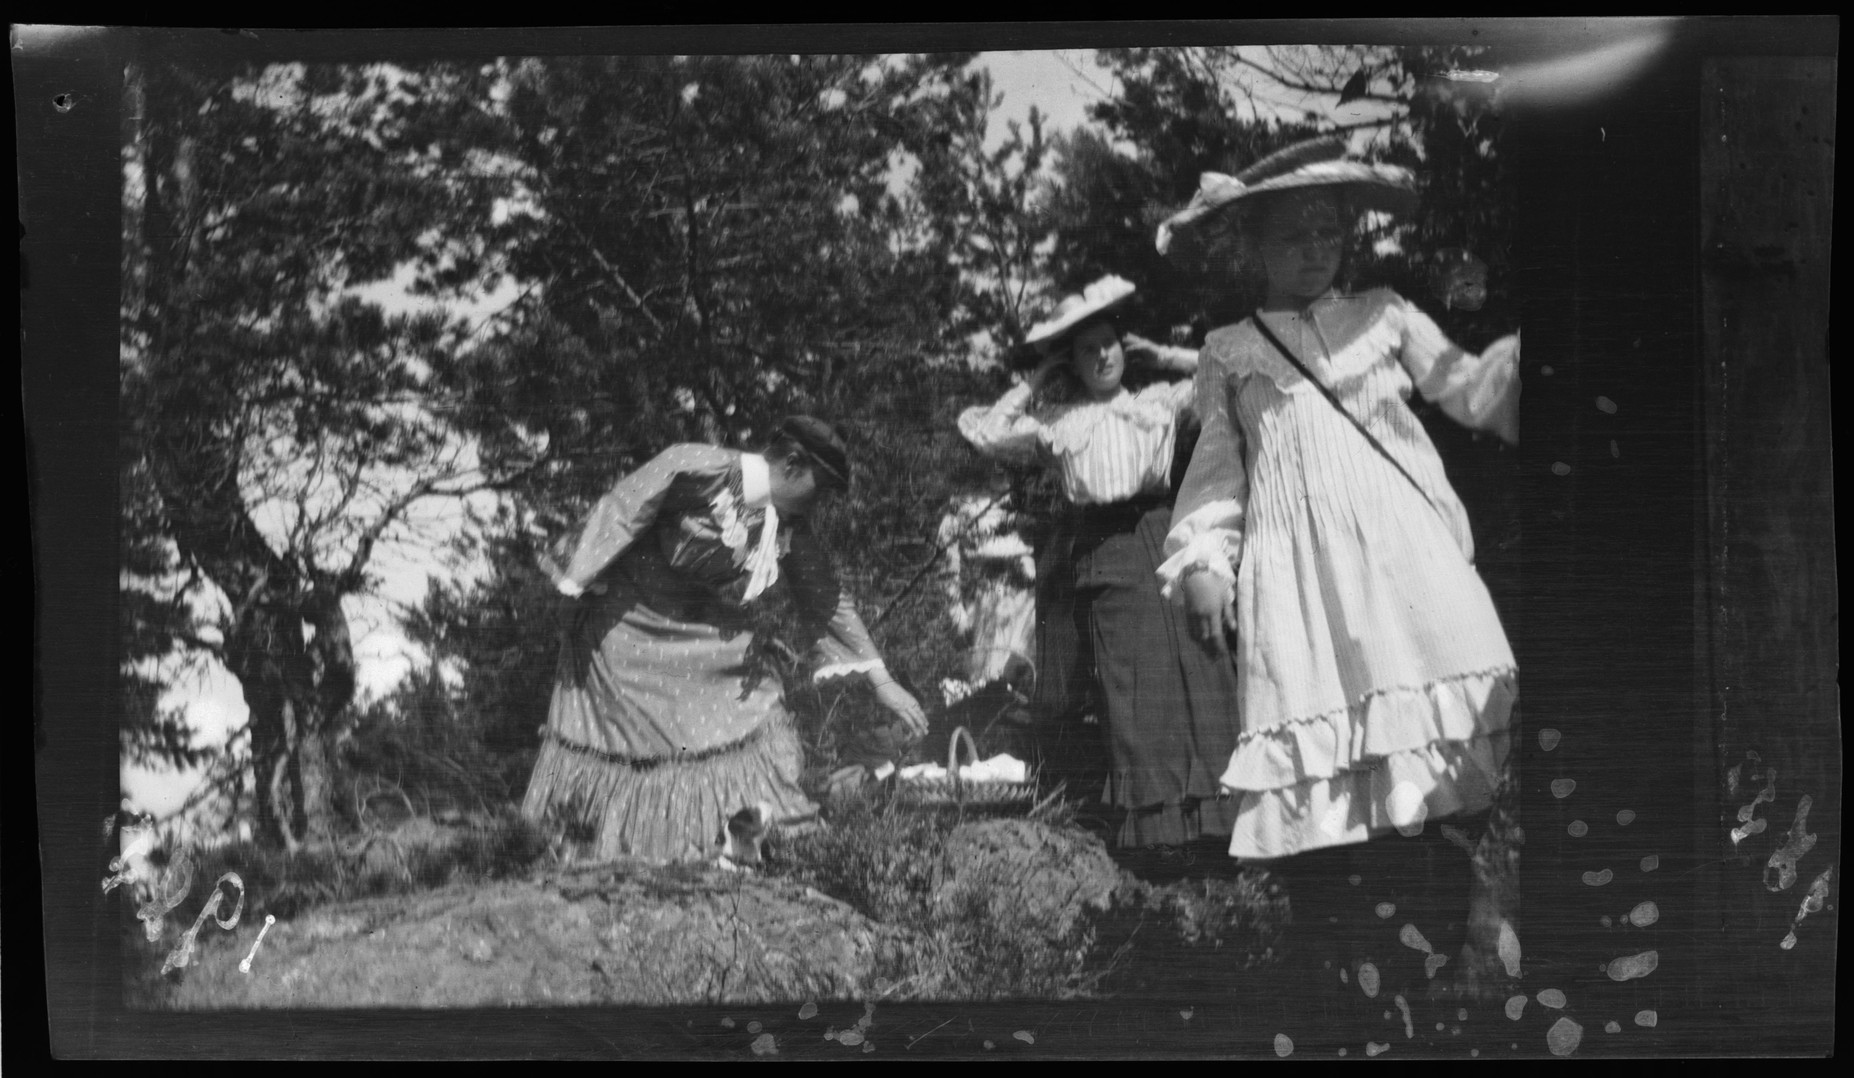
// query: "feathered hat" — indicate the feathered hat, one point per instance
point(1317, 162)
point(1077, 307)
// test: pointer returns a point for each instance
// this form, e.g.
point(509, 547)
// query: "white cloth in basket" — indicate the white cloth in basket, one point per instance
point(1000, 768)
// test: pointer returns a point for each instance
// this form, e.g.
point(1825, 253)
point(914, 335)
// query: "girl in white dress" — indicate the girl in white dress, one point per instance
point(1315, 526)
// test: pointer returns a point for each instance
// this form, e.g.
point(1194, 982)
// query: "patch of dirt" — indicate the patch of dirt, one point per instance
point(613, 934)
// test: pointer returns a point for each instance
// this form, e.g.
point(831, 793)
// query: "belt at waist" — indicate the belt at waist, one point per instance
point(1131, 509)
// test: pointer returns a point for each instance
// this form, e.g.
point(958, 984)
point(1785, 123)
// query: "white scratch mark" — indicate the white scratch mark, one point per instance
point(245, 966)
point(183, 951)
point(1811, 903)
point(1797, 841)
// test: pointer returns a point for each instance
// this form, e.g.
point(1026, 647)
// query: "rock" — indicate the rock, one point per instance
point(1030, 874)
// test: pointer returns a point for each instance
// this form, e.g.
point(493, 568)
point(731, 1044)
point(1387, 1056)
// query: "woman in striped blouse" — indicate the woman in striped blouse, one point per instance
point(1108, 645)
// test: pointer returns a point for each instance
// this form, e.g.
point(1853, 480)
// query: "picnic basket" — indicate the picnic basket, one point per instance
point(954, 791)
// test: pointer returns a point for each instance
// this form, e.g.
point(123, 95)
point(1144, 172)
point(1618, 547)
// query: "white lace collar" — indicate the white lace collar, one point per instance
point(755, 481)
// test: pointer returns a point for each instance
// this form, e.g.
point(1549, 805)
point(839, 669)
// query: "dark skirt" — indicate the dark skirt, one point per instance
point(1109, 645)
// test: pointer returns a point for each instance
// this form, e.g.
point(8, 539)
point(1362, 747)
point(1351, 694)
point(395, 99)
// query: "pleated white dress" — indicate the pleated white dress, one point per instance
point(1375, 680)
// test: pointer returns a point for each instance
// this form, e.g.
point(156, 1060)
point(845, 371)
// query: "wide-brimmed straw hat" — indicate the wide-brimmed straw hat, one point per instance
point(824, 446)
point(1077, 307)
point(1317, 162)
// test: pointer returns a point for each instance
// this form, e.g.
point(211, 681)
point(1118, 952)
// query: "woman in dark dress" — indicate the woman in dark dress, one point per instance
point(1108, 642)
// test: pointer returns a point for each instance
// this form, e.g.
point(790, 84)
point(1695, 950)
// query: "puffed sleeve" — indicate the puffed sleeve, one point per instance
point(1003, 430)
point(952, 529)
point(1180, 396)
point(833, 630)
point(627, 511)
point(1481, 392)
point(1207, 521)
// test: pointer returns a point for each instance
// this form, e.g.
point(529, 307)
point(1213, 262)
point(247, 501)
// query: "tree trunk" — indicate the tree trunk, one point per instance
point(294, 705)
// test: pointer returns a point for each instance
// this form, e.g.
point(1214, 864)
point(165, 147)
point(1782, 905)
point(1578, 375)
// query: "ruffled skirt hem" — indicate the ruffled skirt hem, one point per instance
point(667, 810)
point(1383, 724)
point(1404, 791)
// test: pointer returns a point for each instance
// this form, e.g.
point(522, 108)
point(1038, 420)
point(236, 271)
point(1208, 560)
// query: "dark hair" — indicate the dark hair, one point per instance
point(1063, 386)
point(785, 447)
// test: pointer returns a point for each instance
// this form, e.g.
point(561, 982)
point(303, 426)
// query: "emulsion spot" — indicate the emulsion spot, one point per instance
point(1564, 1037)
point(1578, 829)
point(1646, 1019)
point(1410, 936)
point(1634, 966)
point(1516, 1006)
point(1551, 997)
point(1598, 879)
point(1407, 809)
point(1625, 817)
point(1549, 738)
point(1387, 910)
point(1284, 1045)
point(1368, 980)
point(1651, 862)
point(1562, 788)
point(1644, 914)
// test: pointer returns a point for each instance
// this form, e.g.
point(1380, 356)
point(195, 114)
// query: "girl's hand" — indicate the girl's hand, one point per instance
point(892, 696)
point(1211, 612)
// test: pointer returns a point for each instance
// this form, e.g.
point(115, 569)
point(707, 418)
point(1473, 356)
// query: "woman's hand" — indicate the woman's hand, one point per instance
point(1139, 349)
point(1211, 612)
point(892, 696)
